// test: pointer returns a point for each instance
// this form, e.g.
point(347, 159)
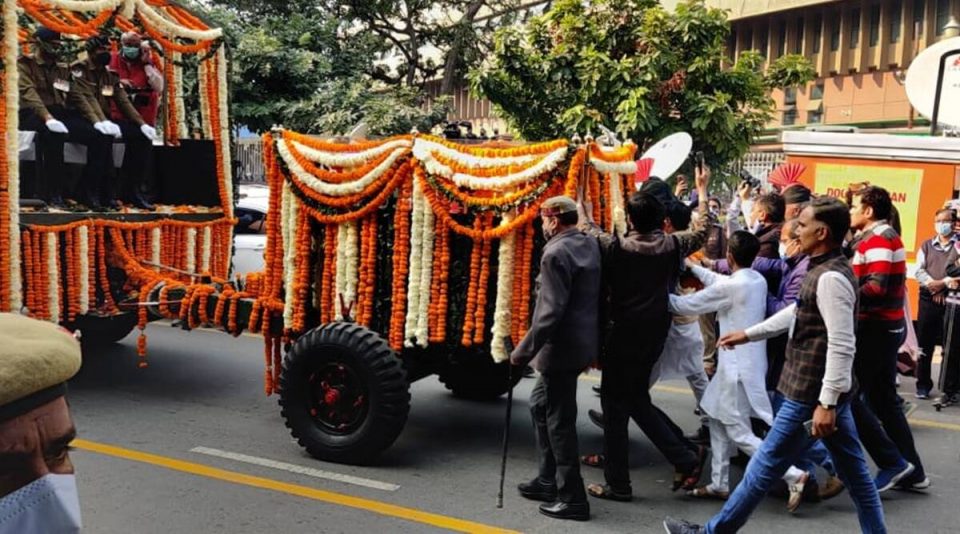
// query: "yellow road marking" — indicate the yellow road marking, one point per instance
point(683, 391)
point(369, 505)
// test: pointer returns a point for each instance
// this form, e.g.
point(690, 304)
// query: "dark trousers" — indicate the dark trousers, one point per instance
point(625, 394)
point(950, 384)
point(136, 158)
point(776, 356)
point(51, 170)
point(880, 420)
point(553, 407)
point(930, 317)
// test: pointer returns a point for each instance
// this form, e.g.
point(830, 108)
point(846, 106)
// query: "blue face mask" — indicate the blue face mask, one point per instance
point(48, 504)
point(130, 52)
point(943, 228)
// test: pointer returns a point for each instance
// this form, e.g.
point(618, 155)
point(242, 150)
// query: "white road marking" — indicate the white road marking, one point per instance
point(298, 469)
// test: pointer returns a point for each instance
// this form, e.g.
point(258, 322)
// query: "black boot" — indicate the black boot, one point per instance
point(138, 201)
point(537, 490)
point(577, 511)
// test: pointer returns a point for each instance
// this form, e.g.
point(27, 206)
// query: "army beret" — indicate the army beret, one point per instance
point(46, 34)
point(556, 205)
point(36, 360)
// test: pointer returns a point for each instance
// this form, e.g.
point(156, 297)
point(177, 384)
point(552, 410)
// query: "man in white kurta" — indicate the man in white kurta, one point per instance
point(738, 390)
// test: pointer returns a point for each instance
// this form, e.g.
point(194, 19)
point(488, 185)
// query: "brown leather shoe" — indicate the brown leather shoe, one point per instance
point(831, 488)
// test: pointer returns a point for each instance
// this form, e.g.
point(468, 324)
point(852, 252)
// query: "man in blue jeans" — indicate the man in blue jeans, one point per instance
point(816, 382)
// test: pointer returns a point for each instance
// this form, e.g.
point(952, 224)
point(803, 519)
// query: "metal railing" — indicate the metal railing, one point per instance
point(248, 157)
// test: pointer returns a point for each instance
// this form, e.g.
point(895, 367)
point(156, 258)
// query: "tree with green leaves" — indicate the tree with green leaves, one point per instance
point(634, 67)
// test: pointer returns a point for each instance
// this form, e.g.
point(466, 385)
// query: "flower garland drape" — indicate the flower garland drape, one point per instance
point(429, 190)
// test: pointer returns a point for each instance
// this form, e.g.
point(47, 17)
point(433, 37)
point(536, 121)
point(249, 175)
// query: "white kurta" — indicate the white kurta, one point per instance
point(682, 353)
point(738, 390)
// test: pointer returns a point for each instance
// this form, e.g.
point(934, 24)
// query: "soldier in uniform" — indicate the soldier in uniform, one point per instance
point(46, 87)
point(38, 492)
point(561, 343)
point(97, 88)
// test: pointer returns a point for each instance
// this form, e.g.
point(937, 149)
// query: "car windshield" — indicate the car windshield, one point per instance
point(250, 221)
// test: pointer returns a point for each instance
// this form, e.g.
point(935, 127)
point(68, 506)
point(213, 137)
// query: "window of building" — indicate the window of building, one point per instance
point(748, 39)
point(790, 117)
point(790, 96)
point(817, 32)
point(896, 20)
point(765, 44)
point(943, 15)
point(854, 27)
point(919, 6)
point(782, 43)
point(835, 32)
point(732, 44)
point(798, 43)
point(814, 117)
point(874, 25)
point(817, 92)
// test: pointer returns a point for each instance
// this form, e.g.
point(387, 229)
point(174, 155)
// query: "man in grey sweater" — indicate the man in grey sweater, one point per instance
point(562, 341)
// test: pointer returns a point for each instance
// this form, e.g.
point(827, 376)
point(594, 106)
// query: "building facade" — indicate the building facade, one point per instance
point(861, 50)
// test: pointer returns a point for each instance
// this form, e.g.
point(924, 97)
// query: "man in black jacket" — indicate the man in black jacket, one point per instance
point(639, 270)
point(561, 343)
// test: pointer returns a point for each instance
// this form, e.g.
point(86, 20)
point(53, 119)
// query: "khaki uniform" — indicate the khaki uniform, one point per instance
point(96, 88)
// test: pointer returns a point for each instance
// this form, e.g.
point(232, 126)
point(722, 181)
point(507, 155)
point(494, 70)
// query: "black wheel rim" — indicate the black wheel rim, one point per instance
point(339, 400)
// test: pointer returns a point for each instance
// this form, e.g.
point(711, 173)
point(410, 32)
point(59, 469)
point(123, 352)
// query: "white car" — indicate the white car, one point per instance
point(250, 238)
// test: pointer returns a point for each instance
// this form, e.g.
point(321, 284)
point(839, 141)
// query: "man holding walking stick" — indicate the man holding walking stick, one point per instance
point(562, 341)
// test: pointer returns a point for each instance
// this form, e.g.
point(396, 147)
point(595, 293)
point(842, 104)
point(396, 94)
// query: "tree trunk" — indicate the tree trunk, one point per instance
point(453, 55)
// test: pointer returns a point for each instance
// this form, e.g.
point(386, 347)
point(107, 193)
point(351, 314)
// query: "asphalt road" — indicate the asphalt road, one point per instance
point(158, 454)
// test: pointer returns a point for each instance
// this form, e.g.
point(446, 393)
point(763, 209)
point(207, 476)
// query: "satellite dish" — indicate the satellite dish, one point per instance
point(669, 154)
point(921, 82)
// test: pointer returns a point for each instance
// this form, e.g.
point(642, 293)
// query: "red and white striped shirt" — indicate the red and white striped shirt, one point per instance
point(880, 264)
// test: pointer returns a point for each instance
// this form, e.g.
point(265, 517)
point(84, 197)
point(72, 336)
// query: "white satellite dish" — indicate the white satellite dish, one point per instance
point(921, 82)
point(668, 154)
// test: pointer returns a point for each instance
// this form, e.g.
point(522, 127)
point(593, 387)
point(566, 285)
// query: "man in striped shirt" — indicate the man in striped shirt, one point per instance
point(879, 263)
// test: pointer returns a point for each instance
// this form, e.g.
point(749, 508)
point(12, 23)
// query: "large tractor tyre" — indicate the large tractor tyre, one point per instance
point(479, 378)
point(344, 393)
point(98, 331)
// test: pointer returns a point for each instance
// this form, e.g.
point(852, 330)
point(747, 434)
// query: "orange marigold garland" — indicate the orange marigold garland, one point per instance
point(401, 254)
point(469, 314)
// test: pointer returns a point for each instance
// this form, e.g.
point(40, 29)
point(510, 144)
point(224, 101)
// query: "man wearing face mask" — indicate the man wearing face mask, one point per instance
point(38, 492)
point(933, 258)
point(138, 76)
point(562, 341)
point(98, 88)
point(45, 88)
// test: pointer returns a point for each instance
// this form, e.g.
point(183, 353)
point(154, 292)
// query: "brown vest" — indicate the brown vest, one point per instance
point(806, 357)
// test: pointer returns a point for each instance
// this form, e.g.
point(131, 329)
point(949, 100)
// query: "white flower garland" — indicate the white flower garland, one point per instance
point(10, 48)
point(414, 275)
point(606, 167)
point(422, 333)
point(83, 249)
point(202, 70)
point(339, 279)
point(206, 242)
point(170, 28)
point(547, 164)
point(53, 276)
point(348, 159)
point(336, 190)
point(288, 213)
point(227, 159)
point(503, 310)
point(616, 199)
point(351, 265)
point(89, 6)
point(429, 148)
point(155, 237)
point(182, 132)
point(191, 250)
point(129, 9)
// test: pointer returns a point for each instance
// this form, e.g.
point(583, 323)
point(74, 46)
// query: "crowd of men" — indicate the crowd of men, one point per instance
point(93, 98)
point(805, 297)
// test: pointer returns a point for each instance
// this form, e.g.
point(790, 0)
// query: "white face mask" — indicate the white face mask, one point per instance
point(49, 504)
point(943, 228)
point(783, 250)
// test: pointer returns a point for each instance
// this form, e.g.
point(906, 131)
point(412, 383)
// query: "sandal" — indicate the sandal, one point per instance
point(604, 491)
point(706, 492)
point(593, 460)
point(687, 480)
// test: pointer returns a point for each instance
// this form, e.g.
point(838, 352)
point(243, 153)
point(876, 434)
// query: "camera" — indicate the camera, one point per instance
point(749, 179)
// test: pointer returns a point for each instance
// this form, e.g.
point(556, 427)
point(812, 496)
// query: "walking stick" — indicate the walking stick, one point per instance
point(506, 427)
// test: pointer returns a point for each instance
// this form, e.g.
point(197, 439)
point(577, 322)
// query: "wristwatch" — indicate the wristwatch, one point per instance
point(827, 406)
